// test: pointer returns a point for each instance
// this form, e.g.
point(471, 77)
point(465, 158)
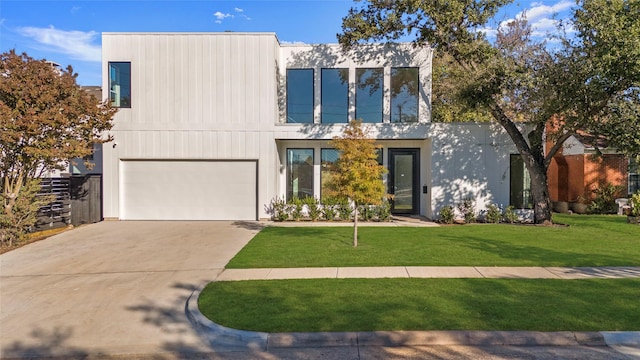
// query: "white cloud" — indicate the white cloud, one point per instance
point(76, 44)
point(238, 10)
point(539, 11)
point(75, 9)
point(221, 16)
point(543, 19)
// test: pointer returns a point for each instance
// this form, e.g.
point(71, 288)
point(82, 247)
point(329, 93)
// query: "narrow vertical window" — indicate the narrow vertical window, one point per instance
point(120, 84)
point(519, 184)
point(300, 96)
point(335, 96)
point(299, 173)
point(405, 85)
point(328, 158)
point(369, 84)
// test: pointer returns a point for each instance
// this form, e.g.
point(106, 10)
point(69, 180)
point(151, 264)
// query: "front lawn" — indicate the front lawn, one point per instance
point(424, 304)
point(587, 241)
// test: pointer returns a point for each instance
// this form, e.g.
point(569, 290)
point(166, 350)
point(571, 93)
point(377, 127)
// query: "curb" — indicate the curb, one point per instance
point(220, 336)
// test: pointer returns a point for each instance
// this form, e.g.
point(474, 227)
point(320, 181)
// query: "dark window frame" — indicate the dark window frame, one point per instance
point(417, 95)
point(313, 92)
point(322, 104)
point(109, 67)
point(289, 194)
point(357, 90)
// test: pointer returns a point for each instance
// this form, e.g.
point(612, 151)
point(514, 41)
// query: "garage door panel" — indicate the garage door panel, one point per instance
point(188, 190)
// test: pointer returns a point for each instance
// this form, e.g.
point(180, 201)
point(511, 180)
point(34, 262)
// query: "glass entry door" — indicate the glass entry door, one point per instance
point(404, 177)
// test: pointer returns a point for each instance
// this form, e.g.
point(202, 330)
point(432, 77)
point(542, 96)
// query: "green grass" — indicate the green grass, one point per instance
point(587, 241)
point(424, 304)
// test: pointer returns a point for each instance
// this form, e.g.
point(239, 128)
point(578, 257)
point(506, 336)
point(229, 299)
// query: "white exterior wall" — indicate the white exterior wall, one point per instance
point(222, 96)
point(194, 96)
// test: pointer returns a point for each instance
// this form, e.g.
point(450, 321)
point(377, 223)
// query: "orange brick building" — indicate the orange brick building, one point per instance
point(576, 171)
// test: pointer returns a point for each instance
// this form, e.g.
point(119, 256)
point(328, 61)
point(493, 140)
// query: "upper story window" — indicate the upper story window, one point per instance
point(120, 84)
point(300, 95)
point(405, 85)
point(334, 96)
point(369, 85)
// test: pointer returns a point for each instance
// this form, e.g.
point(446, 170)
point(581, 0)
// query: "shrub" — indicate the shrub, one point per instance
point(15, 226)
point(447, 214)
point(494, 215)
point(329, 209)
point(383, 211)
point(510, 216)
point(605, 199)
point(314, 208)
point(296, 205)
point(635, 204)
point(344, 209)
point(467, 208)
point(279, 209)
point(367, 212)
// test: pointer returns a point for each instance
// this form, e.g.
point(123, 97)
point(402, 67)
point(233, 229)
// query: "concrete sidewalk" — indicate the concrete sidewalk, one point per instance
point(431, 272)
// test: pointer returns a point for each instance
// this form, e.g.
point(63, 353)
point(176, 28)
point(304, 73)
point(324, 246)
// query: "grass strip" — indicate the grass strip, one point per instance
point(424, 304)
point(588, 241)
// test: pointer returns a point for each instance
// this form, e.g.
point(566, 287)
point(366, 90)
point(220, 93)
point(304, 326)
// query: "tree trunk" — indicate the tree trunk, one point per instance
point(355, 227)
point(540, 194)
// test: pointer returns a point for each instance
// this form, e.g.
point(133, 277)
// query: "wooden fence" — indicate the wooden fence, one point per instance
point(78, 200)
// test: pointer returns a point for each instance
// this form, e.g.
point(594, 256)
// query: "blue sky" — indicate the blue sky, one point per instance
point(68, 32)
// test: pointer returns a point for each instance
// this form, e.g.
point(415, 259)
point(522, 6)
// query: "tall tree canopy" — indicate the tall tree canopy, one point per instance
point(46, 119)
point(590, 82)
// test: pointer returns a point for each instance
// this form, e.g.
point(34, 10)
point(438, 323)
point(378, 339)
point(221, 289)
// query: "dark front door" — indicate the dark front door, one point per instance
point(404, 177)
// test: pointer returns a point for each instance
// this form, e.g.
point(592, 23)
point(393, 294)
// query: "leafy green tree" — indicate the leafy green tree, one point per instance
point(46, 119)
point(356, 175)
point(590, 82)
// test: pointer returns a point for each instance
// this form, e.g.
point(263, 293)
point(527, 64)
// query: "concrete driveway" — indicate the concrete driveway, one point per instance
point(112, 288)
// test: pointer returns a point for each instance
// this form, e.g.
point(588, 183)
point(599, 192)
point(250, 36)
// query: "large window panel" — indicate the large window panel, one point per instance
point(520, 184)
point(300, 96)
point(334, 96)
point(120, 84)
point(328, 159)
point(369, 87)
point(405, 86)
point(299, 173)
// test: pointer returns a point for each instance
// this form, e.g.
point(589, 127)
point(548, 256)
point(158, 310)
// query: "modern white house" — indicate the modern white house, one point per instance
point(213, 126)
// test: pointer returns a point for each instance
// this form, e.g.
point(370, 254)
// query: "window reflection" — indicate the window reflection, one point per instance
point(369, 84)
point(300, 95)
point(335, 95)
point(404, 95)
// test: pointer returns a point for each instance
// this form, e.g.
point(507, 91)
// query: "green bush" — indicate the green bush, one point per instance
point(329, 209)
point(447, 214)
point(635, 204)
point(510, 216)
point(605, 200)
point(296, 205)
point(467, 208)
point(279, 211)
point(313, 207)
point(494, 215)
point(383, 211)
point(15, 226)
point(366, 212)
point(344, 209)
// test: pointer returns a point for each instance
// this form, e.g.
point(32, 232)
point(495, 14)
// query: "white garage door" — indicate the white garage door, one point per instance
point(188, 190)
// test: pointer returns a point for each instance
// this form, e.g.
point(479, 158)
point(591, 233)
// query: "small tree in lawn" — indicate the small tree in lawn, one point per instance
point(46, 119)
point(357, 176)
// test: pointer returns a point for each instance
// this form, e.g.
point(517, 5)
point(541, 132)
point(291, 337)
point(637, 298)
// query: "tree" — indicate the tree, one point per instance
point(356, 176)
point(46, 119)
point(589, 83)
